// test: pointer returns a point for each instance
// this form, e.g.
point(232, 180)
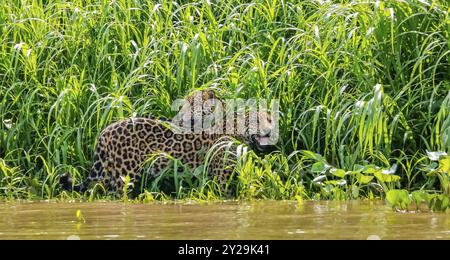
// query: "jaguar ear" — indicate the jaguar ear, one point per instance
point(211, 94)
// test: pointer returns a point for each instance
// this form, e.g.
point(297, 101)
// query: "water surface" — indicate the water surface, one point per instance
point(252, 220)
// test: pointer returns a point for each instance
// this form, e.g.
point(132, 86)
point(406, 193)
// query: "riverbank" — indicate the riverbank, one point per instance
point(363, 91)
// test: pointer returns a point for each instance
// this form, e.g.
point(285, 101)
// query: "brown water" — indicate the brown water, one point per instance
point(256, 220)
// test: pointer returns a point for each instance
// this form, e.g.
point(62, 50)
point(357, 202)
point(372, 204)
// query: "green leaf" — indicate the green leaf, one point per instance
point(314, 156)
point(398, 198)
point(445, 201)
point(371, 169)
point(430, 198)
point(319, 167)
point(392, 197)
point(338, 172)
point(431, 168)
point(363, 179)
point(418, 196)
point(358, 168)
point(444, 164)
point(386, 177)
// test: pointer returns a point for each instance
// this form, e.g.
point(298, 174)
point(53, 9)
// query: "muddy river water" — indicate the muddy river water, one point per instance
point(244, 220)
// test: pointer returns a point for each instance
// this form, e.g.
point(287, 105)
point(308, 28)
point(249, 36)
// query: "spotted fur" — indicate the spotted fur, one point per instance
point(123, 148)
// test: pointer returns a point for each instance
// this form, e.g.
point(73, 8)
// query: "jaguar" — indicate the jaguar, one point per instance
point(125, 146)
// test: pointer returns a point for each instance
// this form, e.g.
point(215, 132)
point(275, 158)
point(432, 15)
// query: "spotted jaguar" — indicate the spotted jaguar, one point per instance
point(125, 146)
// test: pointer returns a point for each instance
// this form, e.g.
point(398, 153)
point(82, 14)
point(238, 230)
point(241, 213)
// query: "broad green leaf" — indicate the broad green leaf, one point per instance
point(418, 196)
point(444, 164)
point(430, 197)
point(319, 167)
point(404, 195)
point(338, 172)
point(358, 168)
point(386, 177)
point(431, 167)
point(392, 197)
point(371, 169)
point(445, 201)
point(398, 198)
point(363, 179)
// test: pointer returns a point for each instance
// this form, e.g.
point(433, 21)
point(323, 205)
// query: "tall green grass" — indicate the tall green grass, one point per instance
point(363, 86)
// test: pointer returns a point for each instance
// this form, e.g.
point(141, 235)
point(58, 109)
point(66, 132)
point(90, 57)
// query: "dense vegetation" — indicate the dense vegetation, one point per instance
point(364, 89)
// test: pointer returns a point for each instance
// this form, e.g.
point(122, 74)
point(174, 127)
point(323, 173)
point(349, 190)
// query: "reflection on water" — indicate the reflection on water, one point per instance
point(255, 220)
